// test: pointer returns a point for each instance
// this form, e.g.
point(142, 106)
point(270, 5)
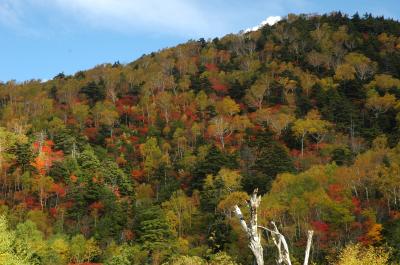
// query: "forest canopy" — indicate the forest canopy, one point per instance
point(142, 163)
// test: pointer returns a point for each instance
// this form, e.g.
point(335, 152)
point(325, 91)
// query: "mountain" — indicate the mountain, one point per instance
point(142, 163)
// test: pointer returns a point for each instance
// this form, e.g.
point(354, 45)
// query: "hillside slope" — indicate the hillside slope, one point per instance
point(145, 160)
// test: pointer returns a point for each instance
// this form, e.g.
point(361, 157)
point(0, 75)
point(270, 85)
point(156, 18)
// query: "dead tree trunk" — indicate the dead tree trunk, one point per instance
point(309, 242)
point(251, 229)
point(280, 241)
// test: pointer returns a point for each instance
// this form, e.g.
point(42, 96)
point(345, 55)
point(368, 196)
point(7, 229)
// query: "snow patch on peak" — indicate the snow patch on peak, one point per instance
point(269, 21)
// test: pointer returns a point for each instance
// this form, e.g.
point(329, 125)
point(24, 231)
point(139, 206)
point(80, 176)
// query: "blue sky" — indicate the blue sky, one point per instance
point(41, 38)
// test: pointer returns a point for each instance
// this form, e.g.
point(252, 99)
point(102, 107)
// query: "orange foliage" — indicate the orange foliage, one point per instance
point(73, 178)
point(46, 156)
point(334, 192)
point(97, 206)
point(137, 174)
point(58, 189)
point(128, 234)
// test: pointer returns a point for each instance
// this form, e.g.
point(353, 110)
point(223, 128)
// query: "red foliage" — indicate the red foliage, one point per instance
point(257, 128)
point(320, 226)
point(334, 192)
point(218, 85)
point(211, 67)
point(295, 153)
point(357, 205)
point(143, 130)
point(91, 133)
point(134, 139)
point(126, 101)
point(58, 189)
point(139, 118)
point(322, 230)
point(191, 114)
point(175, 115)
point(30, 202)
point(97, 206)
point(53, 211)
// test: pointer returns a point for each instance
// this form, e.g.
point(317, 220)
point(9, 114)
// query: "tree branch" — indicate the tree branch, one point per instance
point(309, 242)
point(239, 215)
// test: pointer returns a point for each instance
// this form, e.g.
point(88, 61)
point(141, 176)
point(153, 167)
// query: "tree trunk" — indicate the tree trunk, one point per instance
point(309, 242)
point(252, 229)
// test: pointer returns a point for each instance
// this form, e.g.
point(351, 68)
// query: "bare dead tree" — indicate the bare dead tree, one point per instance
point(251, 230)
point(308, 247)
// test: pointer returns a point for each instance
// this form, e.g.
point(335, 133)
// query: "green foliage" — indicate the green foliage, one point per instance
point(29, 242)
point(83, 250)
point(222, 258)
point(7, 254)
point(94, 92)
point(271, 159)
point(154, 232)
point(127, 255)
point(213, 162)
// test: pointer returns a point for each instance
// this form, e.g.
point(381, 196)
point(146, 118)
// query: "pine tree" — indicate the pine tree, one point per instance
point(271, 158)
point(154, 232)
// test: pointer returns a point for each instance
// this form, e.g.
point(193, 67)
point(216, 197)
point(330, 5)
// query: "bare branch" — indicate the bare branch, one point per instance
point(280, 241)
point(251, 229)
point(239, 215)
point(309, 242)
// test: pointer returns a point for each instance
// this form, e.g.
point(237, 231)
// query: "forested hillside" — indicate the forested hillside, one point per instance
point(142, 163)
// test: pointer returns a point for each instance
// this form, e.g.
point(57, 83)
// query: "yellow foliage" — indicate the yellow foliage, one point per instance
point(374, 233)
point(357, 255)
point(235, 198)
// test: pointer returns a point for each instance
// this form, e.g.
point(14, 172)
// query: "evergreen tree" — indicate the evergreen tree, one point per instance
point(214, 161)
point(271, 158)
point(154, 233)
point(94, 92)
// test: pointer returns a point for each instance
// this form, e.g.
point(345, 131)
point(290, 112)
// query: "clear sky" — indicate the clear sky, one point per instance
point(41, 38)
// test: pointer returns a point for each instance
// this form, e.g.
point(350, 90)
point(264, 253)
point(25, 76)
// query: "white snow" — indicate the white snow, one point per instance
point(269, 21)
